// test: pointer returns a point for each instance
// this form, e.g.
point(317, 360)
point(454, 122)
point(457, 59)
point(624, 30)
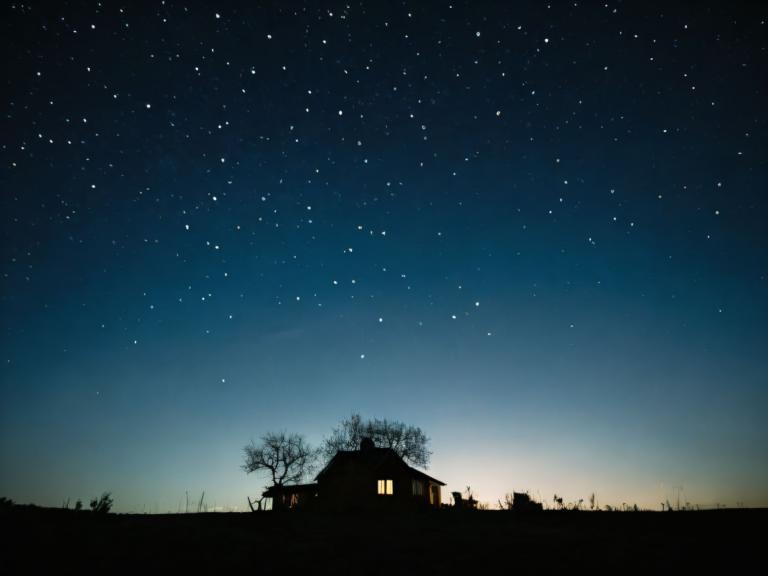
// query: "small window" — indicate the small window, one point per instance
point(417, 488)
point(385, 487)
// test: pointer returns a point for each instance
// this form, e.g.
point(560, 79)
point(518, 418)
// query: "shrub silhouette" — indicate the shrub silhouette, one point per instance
point(103, 504)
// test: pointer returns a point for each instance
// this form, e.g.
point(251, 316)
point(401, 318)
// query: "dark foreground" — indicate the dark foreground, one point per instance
point(38, 540)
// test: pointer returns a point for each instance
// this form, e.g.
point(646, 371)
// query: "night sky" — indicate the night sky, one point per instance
point(537, 231)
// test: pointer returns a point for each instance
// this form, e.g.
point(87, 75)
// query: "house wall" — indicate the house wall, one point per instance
point(349, 486)
point(435, 495)
point(291, 497)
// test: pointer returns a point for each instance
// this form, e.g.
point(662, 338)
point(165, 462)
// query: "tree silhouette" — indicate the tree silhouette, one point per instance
point(288, 458)
point(408, 442)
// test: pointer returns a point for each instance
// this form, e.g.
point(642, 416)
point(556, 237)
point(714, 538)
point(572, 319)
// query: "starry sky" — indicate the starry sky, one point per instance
point(536, 230)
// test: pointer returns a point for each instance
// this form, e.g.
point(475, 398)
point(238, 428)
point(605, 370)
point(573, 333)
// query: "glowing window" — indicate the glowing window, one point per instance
point(385, 487)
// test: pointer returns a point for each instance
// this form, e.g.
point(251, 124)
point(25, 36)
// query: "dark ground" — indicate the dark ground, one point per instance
point(39, 540)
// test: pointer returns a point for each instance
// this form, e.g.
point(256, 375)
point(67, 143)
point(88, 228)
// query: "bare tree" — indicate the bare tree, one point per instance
point(408, 442)
point(288, 458)
point(346, 436)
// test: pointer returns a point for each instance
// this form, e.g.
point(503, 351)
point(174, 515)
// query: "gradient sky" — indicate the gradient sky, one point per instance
point(538, 231)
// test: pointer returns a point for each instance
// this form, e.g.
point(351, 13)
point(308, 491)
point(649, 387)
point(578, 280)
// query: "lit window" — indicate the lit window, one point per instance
point(385, 487)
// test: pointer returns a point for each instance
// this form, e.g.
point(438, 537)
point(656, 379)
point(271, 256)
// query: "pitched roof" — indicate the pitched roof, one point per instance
point(420, 474)
point(372, 458)
point(289, 489)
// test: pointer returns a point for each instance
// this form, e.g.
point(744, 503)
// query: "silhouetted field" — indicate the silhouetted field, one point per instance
point(444, 541)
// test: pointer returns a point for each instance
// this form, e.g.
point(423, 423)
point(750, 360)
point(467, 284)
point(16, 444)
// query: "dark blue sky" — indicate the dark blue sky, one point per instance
point(535, 230)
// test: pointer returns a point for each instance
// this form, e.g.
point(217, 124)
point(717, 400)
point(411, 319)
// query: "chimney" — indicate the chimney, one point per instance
point(366, 444)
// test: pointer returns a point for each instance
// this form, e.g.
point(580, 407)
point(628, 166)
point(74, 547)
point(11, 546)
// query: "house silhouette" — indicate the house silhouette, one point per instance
point(366, 479)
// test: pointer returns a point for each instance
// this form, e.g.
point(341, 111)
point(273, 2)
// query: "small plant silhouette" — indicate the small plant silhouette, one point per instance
point(103, 504)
